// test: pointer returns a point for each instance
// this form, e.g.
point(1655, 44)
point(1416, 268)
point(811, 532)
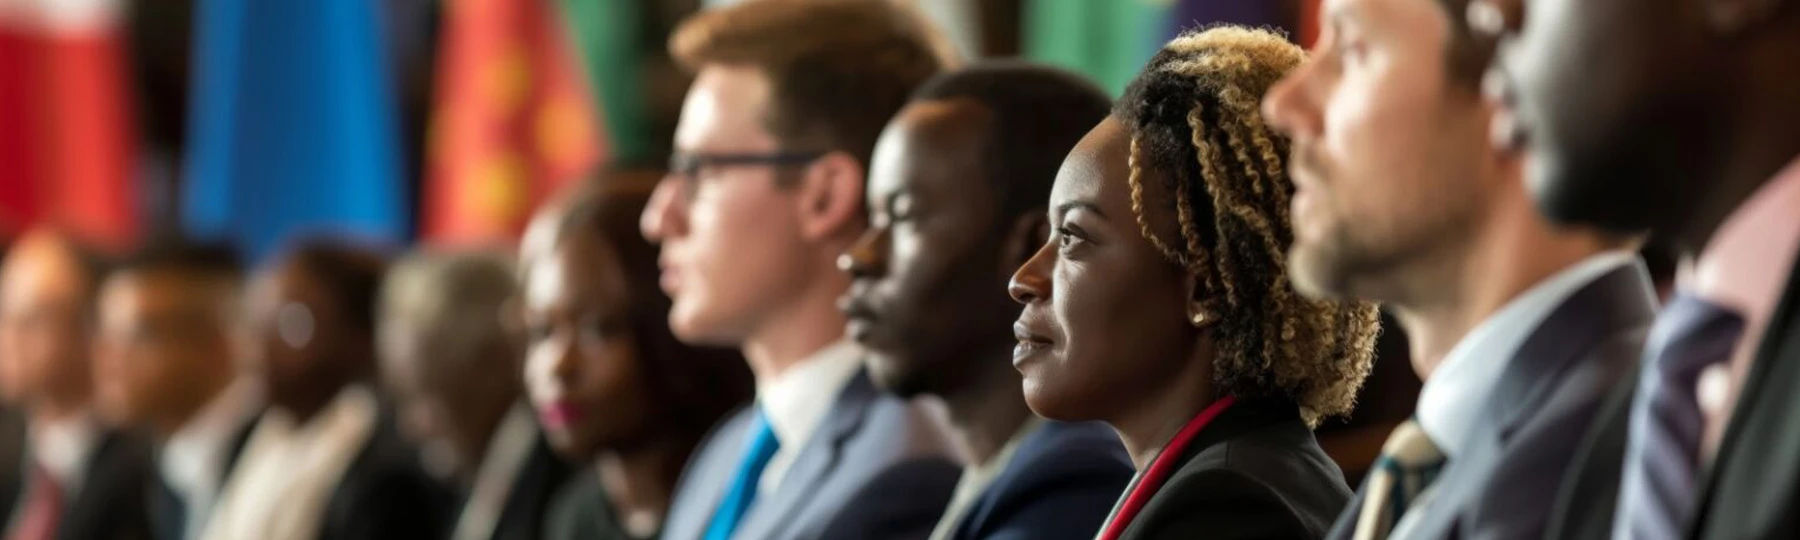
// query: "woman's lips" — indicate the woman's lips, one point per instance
point(559, 414)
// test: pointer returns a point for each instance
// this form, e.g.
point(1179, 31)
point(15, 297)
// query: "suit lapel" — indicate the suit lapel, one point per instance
point(1618, 300)
point(817, 457)
point(1752, 484)
point(704, 481)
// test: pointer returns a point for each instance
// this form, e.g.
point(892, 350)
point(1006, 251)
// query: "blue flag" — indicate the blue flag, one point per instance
point(293, 125)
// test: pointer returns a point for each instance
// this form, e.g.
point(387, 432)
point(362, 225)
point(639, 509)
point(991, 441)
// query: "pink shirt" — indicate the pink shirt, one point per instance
point(1745, 266)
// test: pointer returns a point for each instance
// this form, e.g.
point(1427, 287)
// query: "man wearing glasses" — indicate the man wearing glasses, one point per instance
point(764, 193)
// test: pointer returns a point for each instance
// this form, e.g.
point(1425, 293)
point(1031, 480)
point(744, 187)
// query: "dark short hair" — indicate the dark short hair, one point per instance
point(1040, 112)
point(349, 273)
point(183, 255)
point(837, 69)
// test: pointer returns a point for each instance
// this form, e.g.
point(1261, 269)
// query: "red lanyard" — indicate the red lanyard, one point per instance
point(1161, 468)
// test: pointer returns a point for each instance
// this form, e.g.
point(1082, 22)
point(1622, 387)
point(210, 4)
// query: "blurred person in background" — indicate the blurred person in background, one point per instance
point(956, 193)
point(452, 361)
point(1519, 328)
point(325, 461)
point(1161, 304)
point(764, 192)
point(170, 340)
point(614, 388)
point(83, 480)
point(1681, 117)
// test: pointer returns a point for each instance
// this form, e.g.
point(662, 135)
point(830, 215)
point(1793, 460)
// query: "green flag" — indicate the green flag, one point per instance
point(608, 36)
point(1108, 40)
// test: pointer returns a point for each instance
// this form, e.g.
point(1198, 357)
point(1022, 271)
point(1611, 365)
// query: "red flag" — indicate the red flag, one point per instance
point(67, 139)
point(513, 122)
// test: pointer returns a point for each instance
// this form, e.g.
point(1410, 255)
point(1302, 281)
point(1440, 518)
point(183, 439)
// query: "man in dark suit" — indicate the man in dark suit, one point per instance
point(455, 370)
point(1518, 327)
point(169, 340)
point(1680, 117)
point(81, 479)
point(325, 461)
point(956, 195)
point(764, 192)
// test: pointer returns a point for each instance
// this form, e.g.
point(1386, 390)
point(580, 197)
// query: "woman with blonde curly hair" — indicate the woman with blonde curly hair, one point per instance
point(1161, 304)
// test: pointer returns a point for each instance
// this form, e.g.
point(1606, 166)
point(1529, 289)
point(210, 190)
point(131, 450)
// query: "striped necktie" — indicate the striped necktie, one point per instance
point(1662, 453)
point(1409, 462)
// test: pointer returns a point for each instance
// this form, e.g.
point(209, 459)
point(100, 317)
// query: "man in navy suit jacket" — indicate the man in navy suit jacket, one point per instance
point(956, 193)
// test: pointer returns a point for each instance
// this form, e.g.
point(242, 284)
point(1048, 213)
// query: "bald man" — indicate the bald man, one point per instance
point(82, 480)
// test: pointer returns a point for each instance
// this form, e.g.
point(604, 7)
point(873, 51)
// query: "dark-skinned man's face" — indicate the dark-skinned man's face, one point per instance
point(930, 288)
point(1611, 98)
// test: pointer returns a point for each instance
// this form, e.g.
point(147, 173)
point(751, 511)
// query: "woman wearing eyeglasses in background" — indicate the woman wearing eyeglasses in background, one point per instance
point(325, 461)
point(612, 386)
point(1161, 305)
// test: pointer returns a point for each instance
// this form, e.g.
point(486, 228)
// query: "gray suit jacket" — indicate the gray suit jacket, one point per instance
point(878, 467)
point(1504, 483)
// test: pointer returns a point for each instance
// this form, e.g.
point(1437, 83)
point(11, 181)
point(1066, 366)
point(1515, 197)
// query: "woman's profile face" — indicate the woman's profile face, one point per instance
point(1105, 317)
point(583, 371)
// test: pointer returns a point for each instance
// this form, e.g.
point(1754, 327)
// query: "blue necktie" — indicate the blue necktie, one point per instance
point(1662, 454)
point(742, 491)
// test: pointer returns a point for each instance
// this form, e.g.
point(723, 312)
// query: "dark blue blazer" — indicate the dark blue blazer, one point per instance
point(1062, 482)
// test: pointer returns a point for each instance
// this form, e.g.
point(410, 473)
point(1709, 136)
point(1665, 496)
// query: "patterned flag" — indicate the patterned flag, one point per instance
point(513, 121)
point(68, 142)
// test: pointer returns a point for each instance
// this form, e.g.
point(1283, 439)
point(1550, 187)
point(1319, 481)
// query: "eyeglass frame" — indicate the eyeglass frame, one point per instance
point(686, 166)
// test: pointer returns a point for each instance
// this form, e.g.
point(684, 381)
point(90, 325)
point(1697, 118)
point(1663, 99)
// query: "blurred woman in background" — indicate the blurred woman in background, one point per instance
point(612, 387)
point(1161, 304)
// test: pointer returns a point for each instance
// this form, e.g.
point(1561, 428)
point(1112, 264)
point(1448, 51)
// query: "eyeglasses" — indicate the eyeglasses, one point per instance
point(689, 167)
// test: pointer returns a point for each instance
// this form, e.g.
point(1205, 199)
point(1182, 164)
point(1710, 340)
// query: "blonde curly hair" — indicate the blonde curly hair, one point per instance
point(1209, 188)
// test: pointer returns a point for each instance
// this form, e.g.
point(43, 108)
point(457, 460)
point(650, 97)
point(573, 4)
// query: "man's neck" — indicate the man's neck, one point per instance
point(1764, 139)
point(987, 409)
point(1511, 253)
point(808, 325)
point(53, 411)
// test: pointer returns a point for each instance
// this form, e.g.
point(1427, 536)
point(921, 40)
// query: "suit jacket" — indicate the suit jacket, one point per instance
point(1254, 472)
point(1589, 496)
point(111, 503)
point(877, 467)
point(386, 494)
point(1060, 484)
point(168, 512)
point(1753, 488)
point(1505, 480)
point(581, 511)
point(528, 504)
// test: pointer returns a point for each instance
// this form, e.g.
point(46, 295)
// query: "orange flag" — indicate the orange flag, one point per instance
point(512, 124)
point(67, 139)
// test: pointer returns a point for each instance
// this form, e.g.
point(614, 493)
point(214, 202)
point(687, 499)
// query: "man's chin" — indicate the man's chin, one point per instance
point(1315, 271)
point(893, 378)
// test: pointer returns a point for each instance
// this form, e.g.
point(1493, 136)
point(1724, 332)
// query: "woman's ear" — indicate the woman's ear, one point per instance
point(1028, 233)
point(1200, 312)
point(831, 196)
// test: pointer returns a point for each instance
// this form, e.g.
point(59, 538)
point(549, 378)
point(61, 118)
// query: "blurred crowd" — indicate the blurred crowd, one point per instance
point(883, 292)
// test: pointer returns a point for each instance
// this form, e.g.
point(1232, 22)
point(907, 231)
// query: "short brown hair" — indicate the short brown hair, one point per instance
point(838, 69)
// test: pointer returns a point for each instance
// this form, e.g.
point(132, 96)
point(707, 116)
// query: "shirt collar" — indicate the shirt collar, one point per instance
point(1454, 398)
point(193, 459)
point(62, 447)
point(1746, 262)
point(797, 400)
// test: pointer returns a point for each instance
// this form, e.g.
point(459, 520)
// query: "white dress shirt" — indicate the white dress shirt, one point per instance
point(1454, 399)
point(798, 400)
point(63, 449)
point(192, 461)
point(288, 471)
point(508, 451)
